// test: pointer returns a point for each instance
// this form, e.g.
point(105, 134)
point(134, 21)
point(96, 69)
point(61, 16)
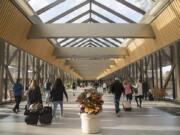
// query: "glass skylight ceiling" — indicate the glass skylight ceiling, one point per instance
point(90, 11)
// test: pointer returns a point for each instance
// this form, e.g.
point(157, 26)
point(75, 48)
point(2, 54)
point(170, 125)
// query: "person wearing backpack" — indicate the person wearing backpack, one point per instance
point(47, 88)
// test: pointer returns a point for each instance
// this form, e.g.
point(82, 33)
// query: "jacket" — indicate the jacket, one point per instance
point(117, 88)
point(56, 93)
point(34, 96)
point(17, 89)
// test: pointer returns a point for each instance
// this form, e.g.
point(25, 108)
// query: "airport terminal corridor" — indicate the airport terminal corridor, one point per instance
point(84, 47)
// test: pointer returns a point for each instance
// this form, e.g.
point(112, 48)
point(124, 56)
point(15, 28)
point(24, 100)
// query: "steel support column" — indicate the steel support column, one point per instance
point(6, 75)
point(27, 66)
point(23, 69)
point(2, 57)
point(177, 69)
point(160, 68)
point(33, 68)
point(152, 69)
point(172, 50)
point(156, 70)
point(19, 64)
point(37, 71)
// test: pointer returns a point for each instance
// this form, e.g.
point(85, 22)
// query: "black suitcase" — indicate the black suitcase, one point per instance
point(32, 118)
point(46, 115)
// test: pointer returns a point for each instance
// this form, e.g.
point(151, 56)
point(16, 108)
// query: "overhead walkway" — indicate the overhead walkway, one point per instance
point(147, 120)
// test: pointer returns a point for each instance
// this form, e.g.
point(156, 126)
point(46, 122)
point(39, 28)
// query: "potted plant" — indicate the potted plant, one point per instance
point(90, 107)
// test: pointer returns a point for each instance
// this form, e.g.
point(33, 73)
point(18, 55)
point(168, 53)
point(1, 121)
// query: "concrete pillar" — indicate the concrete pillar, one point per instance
point(2, 53)
point(177, 70)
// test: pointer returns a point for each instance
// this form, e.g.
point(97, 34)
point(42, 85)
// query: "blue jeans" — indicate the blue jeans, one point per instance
point(116, 103)
point(55, 107)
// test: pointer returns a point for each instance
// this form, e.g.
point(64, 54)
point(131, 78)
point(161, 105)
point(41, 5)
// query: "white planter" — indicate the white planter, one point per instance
point(90, 123)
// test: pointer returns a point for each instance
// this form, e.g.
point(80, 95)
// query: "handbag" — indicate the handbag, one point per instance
point(35, 107)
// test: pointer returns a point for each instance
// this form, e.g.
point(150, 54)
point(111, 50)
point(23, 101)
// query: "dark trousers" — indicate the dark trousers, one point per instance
point(129, 97)
point(18, 101)
point(139, 100)
point(145, 94)
point(116, 103)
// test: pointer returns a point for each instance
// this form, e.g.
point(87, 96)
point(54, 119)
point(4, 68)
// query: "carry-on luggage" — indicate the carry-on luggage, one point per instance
point(46, 115)
point(126, 106)
point(32, 118)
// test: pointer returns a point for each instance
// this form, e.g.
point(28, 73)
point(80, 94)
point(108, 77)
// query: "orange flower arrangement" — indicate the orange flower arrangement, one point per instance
point(90, 102)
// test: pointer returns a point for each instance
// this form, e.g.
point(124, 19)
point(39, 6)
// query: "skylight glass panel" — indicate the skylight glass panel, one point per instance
point(114, 41)
point(60, 39)
point(67, 41)
point(75, 42)
point(80, 20)
point(107, 14)
point(81, 43)
point(122, 9)
point(105, 42)
point(59, 9)
point(120, 39)
point(73, 14)
point(100, 20)
point(38, 4)
point(98, 42)
point(142, 4)
point(85, 44)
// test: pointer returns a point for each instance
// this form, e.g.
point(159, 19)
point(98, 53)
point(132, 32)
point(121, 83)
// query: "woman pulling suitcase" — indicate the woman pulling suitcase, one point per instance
point(34, 103)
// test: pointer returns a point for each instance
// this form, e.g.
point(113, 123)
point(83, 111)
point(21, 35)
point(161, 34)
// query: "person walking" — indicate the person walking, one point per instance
point(117, 89)
point(104, 87)
point(33, 94)
point(139, 93)
point(145, 88)
point(47, 88)
point(127, 90)
point(18, 91)
point(34, 104)
point(74, 87)
point(56, 95)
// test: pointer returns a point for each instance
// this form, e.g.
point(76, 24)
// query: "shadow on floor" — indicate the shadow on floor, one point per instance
point(171, 110)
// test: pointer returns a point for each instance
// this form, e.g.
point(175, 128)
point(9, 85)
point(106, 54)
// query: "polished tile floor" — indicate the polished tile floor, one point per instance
point(147, 120)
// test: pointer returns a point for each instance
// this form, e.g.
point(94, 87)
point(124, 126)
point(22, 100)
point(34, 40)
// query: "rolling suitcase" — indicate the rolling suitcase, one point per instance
point(126, 106)
point(46, 115)
point(32, 118)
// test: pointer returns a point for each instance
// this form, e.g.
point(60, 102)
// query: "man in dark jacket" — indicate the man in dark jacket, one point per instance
point(117, 89)
point(18, 91)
